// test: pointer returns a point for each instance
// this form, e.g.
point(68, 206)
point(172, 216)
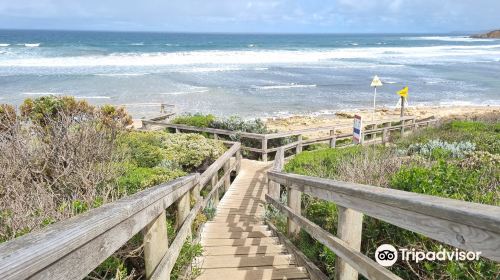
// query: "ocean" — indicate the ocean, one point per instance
point(250, 75)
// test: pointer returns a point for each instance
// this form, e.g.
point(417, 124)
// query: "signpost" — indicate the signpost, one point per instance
point(404, 100)
point(375, 83)
point(357, 137)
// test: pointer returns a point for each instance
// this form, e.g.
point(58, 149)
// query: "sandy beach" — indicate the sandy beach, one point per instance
point(345, 117)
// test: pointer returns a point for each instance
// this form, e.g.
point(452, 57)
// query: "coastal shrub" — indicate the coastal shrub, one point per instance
point(321, 163)
point(62, 157)
point(448, 179)
point(463, 165)
point(191, 151)
point(484, 134)
point(185, 151)
point(238, 125)
point(54, 154)
point(8, 117)
point(235, 123)
point(198, 120)
point(440, 149)
point(140, 178)
point(184, 267)
point(144, 148)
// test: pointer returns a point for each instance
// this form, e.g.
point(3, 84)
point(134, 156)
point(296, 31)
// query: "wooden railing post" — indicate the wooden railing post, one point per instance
point(299, 145)
point(402, 128)
point(333, 140)
point(274, 189)
point(216, 137)
point(227, 178)
point(155, 243)
point(385, 134)
point(238, 161)
point(195, 191)
point(215, 197)
point(293, 200)
point(264, 149)
point(177, 130)
point(350, 226)
point(183, 208)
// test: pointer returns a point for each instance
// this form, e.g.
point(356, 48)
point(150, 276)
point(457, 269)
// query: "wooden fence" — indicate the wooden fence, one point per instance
point(465, 225)
point(72, 248)
point(374, 132)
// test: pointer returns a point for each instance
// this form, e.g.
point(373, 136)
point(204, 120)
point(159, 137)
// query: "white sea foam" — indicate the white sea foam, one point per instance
point(184, 92)
point(32, 45)
point(447, 38)
point(120, 74)
point(270, 87)
point(42, 93)
point(92, 97)
point(397, 55)
point(137, 44)
point(4, 45)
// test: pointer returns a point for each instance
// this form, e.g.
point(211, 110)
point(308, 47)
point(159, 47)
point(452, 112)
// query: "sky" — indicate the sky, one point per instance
point(254, 16)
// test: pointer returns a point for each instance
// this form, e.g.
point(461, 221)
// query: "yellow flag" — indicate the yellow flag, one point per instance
point(404, 92)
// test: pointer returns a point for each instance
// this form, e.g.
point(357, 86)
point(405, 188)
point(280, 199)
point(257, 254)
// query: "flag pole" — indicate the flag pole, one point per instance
point(402, 106)
point(375, 83)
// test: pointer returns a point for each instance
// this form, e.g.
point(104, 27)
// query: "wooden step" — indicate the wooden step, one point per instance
point(224, 228)
point(244, 250)
point(250, 274)
point(244, 261)
point(226, 212)
point(240, 242)
point(238, 218)
point(235, 224)
point(236, 235)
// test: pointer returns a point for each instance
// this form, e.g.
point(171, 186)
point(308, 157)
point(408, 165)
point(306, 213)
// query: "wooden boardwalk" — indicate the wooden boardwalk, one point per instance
point(237, 244)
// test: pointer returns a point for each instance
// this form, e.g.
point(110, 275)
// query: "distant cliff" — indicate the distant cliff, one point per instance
point(492, 34)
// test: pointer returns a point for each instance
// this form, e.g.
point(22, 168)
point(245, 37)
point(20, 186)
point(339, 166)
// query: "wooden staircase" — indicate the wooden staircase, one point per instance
point(237, 244)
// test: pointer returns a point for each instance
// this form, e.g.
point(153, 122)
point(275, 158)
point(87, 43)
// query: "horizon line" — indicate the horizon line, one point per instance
point(239, 32)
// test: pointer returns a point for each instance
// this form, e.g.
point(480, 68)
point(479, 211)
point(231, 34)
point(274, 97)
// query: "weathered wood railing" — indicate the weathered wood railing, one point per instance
point(372, 130)
point(468, 226)
point(71, 249)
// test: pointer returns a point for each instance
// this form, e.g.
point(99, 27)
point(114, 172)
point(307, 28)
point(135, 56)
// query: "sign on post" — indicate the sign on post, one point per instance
point(356, 132)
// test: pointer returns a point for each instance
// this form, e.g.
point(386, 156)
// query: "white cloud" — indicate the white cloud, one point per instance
point(255, 15)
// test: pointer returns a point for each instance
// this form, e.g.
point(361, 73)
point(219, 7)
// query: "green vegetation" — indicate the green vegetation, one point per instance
point(237, 125)
point(61, 157)
point(188, 253)
point(198, 120)
point(459, 160)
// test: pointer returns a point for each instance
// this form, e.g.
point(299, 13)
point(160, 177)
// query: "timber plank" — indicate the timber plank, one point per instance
point(237, 244)
point(244, 250)
point(244, 261)
point(236, 235)
point(245, 274)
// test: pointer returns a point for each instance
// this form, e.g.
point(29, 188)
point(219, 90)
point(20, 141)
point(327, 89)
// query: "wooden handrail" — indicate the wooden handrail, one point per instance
point(62, 250)
point(332, 138)
point(366, 266)
point(465, 225)
point(205, 129)
point(303, 131)
point(72, 248)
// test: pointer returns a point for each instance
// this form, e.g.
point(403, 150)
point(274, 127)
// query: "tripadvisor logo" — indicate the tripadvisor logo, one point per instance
point(387, 255)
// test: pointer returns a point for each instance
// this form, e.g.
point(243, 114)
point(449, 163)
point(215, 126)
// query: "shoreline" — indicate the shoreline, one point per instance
point(344, 117)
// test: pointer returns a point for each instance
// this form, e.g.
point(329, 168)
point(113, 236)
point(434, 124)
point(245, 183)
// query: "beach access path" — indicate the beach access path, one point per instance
point(237, 244)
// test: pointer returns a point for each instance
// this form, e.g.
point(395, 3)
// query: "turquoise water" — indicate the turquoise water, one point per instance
point(248, 75)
